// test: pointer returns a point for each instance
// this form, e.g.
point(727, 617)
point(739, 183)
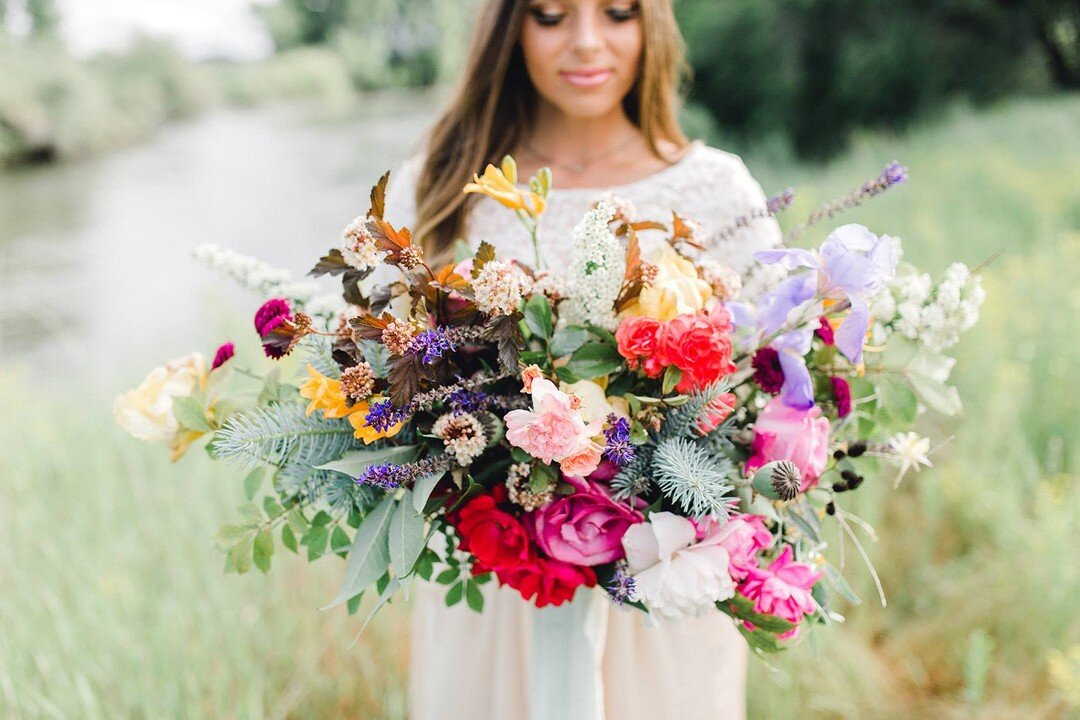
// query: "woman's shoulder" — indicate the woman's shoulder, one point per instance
point(707, 162)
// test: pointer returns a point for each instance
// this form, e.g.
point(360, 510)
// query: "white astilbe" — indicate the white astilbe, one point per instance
point(596, 273)
point(358, 247)
point(463, 435)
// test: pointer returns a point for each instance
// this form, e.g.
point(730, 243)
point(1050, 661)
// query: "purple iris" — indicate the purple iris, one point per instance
point(852, 263)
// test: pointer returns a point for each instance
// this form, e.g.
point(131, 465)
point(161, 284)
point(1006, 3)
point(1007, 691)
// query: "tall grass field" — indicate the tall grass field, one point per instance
point(113, 601)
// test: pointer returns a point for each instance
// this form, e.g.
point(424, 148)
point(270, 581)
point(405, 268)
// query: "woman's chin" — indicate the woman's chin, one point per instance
point(587, 108)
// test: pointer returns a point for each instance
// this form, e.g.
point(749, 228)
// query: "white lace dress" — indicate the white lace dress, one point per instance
point(588, 660)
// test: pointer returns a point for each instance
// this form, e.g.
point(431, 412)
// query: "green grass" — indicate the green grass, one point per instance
point(114, 604)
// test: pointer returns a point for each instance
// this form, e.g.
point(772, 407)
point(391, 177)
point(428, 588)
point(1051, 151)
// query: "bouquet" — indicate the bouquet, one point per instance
point(632, 423)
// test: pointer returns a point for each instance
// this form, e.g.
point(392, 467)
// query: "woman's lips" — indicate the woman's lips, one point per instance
point(586, 78)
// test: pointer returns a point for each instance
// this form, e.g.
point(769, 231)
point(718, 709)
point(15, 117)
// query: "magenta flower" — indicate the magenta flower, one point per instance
point(768, 372)
point(223, 355)
point(585, 528)
point(743, 536)
point(782, 589)
point(782, 432)
point(271, 315)
point(842, 394)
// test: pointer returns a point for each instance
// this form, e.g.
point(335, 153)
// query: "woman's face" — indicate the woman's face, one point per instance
point(583, 56)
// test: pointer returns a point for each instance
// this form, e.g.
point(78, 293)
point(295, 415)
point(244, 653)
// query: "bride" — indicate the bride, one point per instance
point(588, 88)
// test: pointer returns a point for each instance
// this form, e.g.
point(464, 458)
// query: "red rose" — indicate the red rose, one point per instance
point(494, 537)
point(638, 339)
point(551, 582)
point(700, 346)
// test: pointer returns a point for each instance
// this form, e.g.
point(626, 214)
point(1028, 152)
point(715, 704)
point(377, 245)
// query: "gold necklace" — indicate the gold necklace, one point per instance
point(583, 164)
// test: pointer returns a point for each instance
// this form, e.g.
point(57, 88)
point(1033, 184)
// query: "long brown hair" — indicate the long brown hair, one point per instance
point(494, 105)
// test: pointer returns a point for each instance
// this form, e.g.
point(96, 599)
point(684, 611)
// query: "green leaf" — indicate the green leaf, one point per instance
point(448, 576)
point(240, 555)
point(594, 360)
point(354, 463)
point(604, 335)
point(406, 536)
point(453, 595)
point(252, 482)
point(354, 603)
point(263, 549)
point(423, 488)
point(840, 584)
point(297, 521)
point(473, 597)
point(566, 375)
point(339, 541)
point(272, 507)
point(384, 597)
point(271, 390)
point(315, 541)
point(321, 518)
point(230, 535)
point(520, 455)
point(567, 340)
point(538, 316)
point(250, 513)
point(672, 376)
point(938, 396)
point(190, 413)
point(288, 538)
point(369, 556)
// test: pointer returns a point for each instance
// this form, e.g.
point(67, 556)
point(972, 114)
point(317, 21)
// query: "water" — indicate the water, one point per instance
point(96, 278)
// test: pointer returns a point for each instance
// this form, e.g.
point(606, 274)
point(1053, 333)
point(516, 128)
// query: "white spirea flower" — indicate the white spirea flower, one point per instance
point(596, 273)
point(674, 576)
point(358, 246)
point(499, 287)
point(726, 283)
point(463, 435)
point(252, 273)
point(933, 315)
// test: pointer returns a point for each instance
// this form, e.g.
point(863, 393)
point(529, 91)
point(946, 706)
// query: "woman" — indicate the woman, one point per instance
point(587, 87)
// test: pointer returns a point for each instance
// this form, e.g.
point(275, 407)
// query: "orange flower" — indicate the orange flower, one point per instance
point(498, 184)
point(325, 394)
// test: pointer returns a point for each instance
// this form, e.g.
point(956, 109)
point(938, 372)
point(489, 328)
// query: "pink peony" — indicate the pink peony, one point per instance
point(743, 536)
point(585, 528)
point(782, 589)
point(553, 431)
point(787, 433)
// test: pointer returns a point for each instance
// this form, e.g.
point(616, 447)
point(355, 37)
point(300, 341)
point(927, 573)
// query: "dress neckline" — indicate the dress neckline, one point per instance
point(694, 148)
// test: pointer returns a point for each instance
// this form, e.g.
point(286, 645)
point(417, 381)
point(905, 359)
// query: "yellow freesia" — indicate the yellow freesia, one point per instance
point(325, 394)
point(363, 431)
point(497, 186)
point(677, 289)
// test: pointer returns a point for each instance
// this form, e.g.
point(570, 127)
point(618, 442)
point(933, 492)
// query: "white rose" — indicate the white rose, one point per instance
point(147, 411)
point(674, 576)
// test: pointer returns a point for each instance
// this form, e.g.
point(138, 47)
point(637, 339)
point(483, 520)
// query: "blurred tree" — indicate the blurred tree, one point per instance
point(43, 17)
point(815, 70)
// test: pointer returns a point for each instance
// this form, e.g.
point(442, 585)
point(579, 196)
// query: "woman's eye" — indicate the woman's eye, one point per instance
point(546, 19)
point(623, 14)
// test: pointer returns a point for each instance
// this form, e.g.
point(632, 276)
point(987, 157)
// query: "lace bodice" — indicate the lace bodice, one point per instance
point(708, 186)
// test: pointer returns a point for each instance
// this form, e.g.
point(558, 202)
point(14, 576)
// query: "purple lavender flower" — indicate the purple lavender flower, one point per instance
point(622, 586)
point(894, 174)
point(780, 201)
point(383, 475)
point(383, 415)
point(432, 344)
point(617, 446)
point(463, 400)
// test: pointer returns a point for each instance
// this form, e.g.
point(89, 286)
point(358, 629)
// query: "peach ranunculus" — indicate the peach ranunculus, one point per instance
point(146, 412)
point(499, 184)
point(553, 431)
point(677, 289)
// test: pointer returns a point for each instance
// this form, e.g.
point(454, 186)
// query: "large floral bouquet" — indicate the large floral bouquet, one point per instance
point(633, 423)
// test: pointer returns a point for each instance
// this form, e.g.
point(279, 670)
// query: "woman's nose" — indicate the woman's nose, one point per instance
point(587, 34)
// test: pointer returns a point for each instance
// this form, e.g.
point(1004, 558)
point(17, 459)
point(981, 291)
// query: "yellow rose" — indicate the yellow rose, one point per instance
point(325, 394)
point(497, 186)
point(146, 412)
point(677, 290)
point(363, 431)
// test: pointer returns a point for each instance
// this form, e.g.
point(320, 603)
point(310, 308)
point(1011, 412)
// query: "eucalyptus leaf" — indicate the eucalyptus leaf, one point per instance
point(840, 584)
point(384, 597)
point(354, 463)
point(190, 413)
point(406, 536)
point(369, 557)
point(423, 488)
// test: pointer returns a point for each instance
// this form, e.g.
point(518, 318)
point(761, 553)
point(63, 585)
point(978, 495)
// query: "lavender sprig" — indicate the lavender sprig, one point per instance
point(432, 344)
point(383, 415)
point(893, 174)
point(776, 204)
point(390, 477)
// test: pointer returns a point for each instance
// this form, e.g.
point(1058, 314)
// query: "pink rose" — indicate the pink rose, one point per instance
point(585, 528)
point(584, 461)
point(552, 431)
point(638, 339)
point(787, 433)
point(782, 589)
point(743, 536)
point(700, 346)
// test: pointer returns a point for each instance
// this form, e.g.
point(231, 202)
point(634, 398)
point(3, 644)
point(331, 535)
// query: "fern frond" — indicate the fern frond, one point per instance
point(692, 479)
point(683, 420)
point(276, 434)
